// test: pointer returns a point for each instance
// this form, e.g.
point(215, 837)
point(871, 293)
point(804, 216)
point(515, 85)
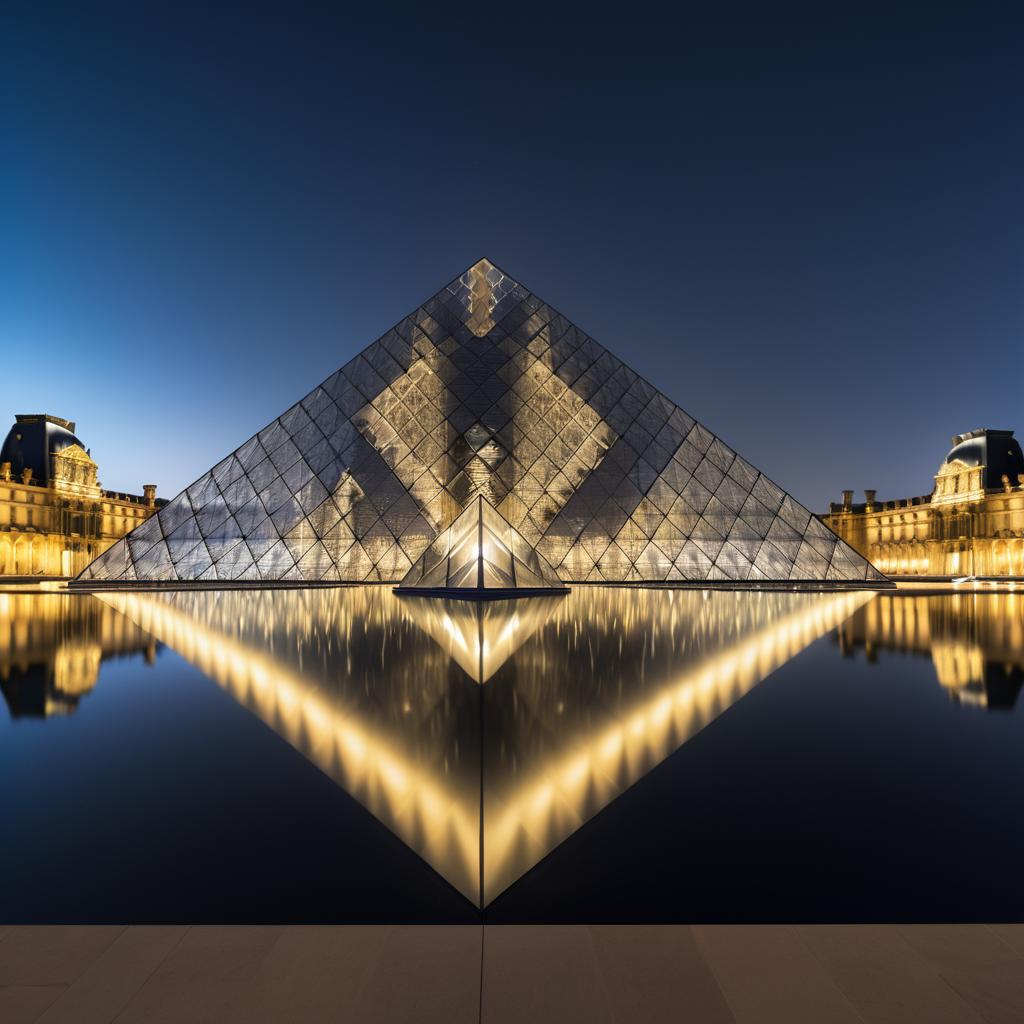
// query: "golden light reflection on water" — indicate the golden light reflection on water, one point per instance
point(974, 640)
point(480, 635)
point(626, 679)
point(583, 696)
point(51, 648)
point(357, 689)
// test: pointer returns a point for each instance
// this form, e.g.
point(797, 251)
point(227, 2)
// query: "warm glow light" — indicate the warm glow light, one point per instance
point(367, 765)
point(523, 825)
point(676, 662)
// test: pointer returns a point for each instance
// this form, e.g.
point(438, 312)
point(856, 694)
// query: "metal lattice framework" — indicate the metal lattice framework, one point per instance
point(485, 391)
point(481, 551)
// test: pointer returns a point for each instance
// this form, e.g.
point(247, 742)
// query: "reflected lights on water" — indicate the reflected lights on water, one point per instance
point(584, 695)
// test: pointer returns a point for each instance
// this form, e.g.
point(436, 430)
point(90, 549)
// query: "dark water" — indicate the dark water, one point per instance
point(616, 755)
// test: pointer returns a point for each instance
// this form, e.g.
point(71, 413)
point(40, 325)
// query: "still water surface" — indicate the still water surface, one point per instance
point(610, 755)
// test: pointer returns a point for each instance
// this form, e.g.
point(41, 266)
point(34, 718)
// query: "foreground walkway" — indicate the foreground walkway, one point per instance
point(715, 974)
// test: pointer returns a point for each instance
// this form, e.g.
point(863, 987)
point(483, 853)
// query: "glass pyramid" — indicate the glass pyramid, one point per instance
point(481, 555)
point(484, 391)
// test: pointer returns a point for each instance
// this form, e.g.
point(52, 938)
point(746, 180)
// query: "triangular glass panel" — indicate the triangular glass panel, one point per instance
point(479, 561)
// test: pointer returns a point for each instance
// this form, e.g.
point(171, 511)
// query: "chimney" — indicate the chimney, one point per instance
point(149, 491)
point(847, 501)
point(869, 499)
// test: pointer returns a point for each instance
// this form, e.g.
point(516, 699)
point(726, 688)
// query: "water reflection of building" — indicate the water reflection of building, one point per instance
point(971, 524)
point(585, 695)
point(975, 641)
point(54, 516)
point(51, 647)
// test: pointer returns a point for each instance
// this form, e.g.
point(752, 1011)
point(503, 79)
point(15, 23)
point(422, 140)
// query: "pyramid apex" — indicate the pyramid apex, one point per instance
point(486, 269)
point(485, 285)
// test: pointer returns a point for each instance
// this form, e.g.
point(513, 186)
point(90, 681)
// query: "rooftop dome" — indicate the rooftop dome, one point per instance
point(32, 440)
point(997, 450)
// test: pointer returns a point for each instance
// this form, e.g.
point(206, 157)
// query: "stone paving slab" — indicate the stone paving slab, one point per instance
point(728, 974)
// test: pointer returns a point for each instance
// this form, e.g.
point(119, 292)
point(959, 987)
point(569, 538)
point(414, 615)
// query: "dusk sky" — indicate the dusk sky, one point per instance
point(803, 224)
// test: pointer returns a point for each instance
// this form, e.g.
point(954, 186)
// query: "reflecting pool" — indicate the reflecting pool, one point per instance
point(610, 754)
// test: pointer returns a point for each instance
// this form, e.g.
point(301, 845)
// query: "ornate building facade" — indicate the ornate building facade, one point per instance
point(972, 524)
point(54, 516)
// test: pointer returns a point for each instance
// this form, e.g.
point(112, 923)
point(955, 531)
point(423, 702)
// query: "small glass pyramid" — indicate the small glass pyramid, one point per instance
point(481, 555)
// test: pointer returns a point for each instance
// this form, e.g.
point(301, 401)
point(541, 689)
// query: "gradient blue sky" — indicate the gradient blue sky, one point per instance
point(803, 223)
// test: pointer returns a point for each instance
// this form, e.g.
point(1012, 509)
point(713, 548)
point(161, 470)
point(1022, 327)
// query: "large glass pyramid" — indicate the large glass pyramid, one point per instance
point(484, 391)
point(481, 555)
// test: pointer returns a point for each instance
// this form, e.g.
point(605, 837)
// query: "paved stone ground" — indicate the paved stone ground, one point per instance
point(715, 974)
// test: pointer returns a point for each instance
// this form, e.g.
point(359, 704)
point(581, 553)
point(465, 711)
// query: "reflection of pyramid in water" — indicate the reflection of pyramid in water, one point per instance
point(480, 636)
point(484, 390)
point(485, 781)
point(481, 555)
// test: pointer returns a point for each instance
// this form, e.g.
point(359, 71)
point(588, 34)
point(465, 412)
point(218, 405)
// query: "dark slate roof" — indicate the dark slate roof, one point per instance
point(997, 450)
point(33, 439)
